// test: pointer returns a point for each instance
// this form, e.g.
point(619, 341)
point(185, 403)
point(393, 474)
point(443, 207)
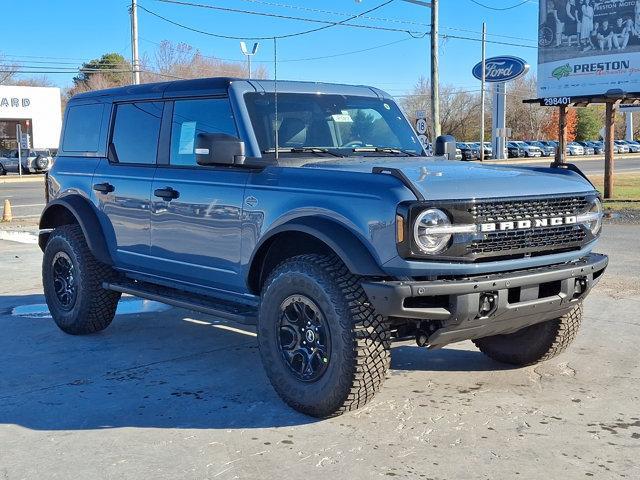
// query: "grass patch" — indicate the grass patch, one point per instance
point(626, 186)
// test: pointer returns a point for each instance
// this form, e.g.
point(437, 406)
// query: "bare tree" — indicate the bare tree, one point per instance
point(8, 71)
point(526, 120)
point(459, 109)
point(184, 61)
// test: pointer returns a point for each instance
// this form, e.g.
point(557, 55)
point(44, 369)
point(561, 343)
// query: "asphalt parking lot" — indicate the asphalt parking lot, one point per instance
point(175, 394)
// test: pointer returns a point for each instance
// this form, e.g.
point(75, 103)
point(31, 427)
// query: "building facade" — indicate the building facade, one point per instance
point(36, 109)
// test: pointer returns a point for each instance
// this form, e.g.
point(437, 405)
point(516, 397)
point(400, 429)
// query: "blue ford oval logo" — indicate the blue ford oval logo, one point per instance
point(501, 69)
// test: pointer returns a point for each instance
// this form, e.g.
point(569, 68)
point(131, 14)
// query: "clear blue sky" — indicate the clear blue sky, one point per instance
point(76, 30)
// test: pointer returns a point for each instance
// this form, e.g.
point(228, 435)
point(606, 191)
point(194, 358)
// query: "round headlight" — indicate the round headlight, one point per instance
point(426, 231)
point(596, 210)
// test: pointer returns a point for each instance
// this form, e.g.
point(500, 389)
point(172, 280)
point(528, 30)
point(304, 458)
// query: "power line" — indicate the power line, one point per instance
point(232, 37)
point(330, 24)
point(500, 9)
point(265, 14)
point(380, 19)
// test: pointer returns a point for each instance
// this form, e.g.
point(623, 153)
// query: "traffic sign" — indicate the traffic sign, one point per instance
point(424, 141)
point(421, 126)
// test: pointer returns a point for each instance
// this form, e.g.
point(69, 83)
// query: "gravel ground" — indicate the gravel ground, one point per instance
point(174, 394)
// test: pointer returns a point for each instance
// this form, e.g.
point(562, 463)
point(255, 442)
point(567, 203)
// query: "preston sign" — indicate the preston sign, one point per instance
point(501, 69)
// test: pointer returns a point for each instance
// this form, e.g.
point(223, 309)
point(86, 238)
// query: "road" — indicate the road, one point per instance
point(594, 166)
point(27, 199)
point(176, 394)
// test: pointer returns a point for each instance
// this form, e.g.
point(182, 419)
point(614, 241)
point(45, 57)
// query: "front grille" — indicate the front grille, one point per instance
point(501, 211)
point(539, 239)
point(534, 241)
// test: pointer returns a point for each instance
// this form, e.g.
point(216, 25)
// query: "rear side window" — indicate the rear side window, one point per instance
point(136, 129)
point(82, 128)
point(191, 117)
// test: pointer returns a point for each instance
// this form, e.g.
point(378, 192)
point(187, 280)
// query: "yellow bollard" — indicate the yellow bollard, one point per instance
point(7, 216)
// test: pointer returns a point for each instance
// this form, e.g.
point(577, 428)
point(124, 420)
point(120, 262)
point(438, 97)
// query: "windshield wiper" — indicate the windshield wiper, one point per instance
point(397, 151)
point(304, 150)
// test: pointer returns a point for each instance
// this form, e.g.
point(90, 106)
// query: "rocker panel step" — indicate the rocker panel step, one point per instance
point(239, 313)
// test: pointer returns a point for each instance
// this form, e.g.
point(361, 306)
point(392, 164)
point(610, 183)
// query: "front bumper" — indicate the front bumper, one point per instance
point(484, 305)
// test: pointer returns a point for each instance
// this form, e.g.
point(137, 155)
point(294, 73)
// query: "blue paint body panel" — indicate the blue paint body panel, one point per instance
point(205, 239)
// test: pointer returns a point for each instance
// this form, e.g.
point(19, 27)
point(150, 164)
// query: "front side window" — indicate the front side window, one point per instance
point(191, 117)
point(135, 132)
point(348, 125)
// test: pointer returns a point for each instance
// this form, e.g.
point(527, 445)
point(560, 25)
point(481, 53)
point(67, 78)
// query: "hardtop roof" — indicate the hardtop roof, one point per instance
point(220, 85)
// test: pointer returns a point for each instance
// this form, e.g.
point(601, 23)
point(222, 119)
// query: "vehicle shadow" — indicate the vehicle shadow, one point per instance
point(168, 369)
point(412, 357)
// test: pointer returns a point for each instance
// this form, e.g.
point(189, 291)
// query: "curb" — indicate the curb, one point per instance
point(25, 179)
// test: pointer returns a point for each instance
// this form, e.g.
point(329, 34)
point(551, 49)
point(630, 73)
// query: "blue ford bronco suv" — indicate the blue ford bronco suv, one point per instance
point(311, 211)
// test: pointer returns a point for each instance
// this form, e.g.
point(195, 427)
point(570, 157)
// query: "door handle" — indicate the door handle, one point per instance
point(166, 193)
point(104, 187)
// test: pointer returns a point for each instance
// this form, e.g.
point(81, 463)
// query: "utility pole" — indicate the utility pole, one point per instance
point(435, 75)
point(135, 60)
point(484, 55)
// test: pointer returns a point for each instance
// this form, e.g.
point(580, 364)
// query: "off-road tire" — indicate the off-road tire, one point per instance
point(534, 344)
point(360, 339)
point(94, 307)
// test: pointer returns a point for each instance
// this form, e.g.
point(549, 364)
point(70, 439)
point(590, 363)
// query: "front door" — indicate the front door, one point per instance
point(122, 183)
point(197, 210)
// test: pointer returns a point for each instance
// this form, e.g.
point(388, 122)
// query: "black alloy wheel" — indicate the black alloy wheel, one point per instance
point(305, 341)
point(64, 280)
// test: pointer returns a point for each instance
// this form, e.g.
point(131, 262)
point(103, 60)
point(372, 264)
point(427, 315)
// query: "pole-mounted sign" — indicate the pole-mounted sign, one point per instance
point(421, 128)
point(499, 70)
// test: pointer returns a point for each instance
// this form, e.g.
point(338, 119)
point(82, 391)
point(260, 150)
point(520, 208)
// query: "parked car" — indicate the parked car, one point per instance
point(33, 161)
point(529, 150)
point(468, 151)
point(547, 150)
point(514, 150)
point(551, 145)
point(598, 147)
point(574, 148)
point(487, 150)
point(588, 149)
point(634, 147)
point(330, 245)
point(622, 146)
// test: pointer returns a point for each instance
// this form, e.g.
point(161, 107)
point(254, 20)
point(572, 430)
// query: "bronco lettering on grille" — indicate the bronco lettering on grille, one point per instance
point(528, 223)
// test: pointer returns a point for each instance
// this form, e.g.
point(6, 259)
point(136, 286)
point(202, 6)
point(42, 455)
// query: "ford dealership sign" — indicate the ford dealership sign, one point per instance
point(501, 69)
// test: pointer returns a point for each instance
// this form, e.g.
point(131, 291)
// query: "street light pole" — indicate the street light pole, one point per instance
point(249, 54)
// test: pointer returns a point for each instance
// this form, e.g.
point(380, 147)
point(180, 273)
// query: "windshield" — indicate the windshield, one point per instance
point(347, 125)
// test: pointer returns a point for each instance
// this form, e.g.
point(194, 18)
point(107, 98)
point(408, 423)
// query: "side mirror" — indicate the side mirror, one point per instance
point(446, 147)
point(219, 149)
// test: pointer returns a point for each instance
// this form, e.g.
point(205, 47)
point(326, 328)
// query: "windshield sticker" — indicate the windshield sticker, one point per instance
point(187, 136)
point(342, 118)
point(387, 106)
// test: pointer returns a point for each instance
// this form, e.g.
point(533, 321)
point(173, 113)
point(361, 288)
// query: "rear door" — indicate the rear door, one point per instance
point(195, 231)
point(122, 182)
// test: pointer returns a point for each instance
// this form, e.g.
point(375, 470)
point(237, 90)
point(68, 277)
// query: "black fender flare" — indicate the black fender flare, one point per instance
point(345, 244)
point(74, 208)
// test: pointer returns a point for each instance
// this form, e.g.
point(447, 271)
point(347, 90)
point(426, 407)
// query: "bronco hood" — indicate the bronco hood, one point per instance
point(440, 179)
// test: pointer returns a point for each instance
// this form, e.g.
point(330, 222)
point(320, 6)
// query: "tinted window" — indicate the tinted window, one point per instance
point(135, 132)
point(82, 128)
point(191, 117)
